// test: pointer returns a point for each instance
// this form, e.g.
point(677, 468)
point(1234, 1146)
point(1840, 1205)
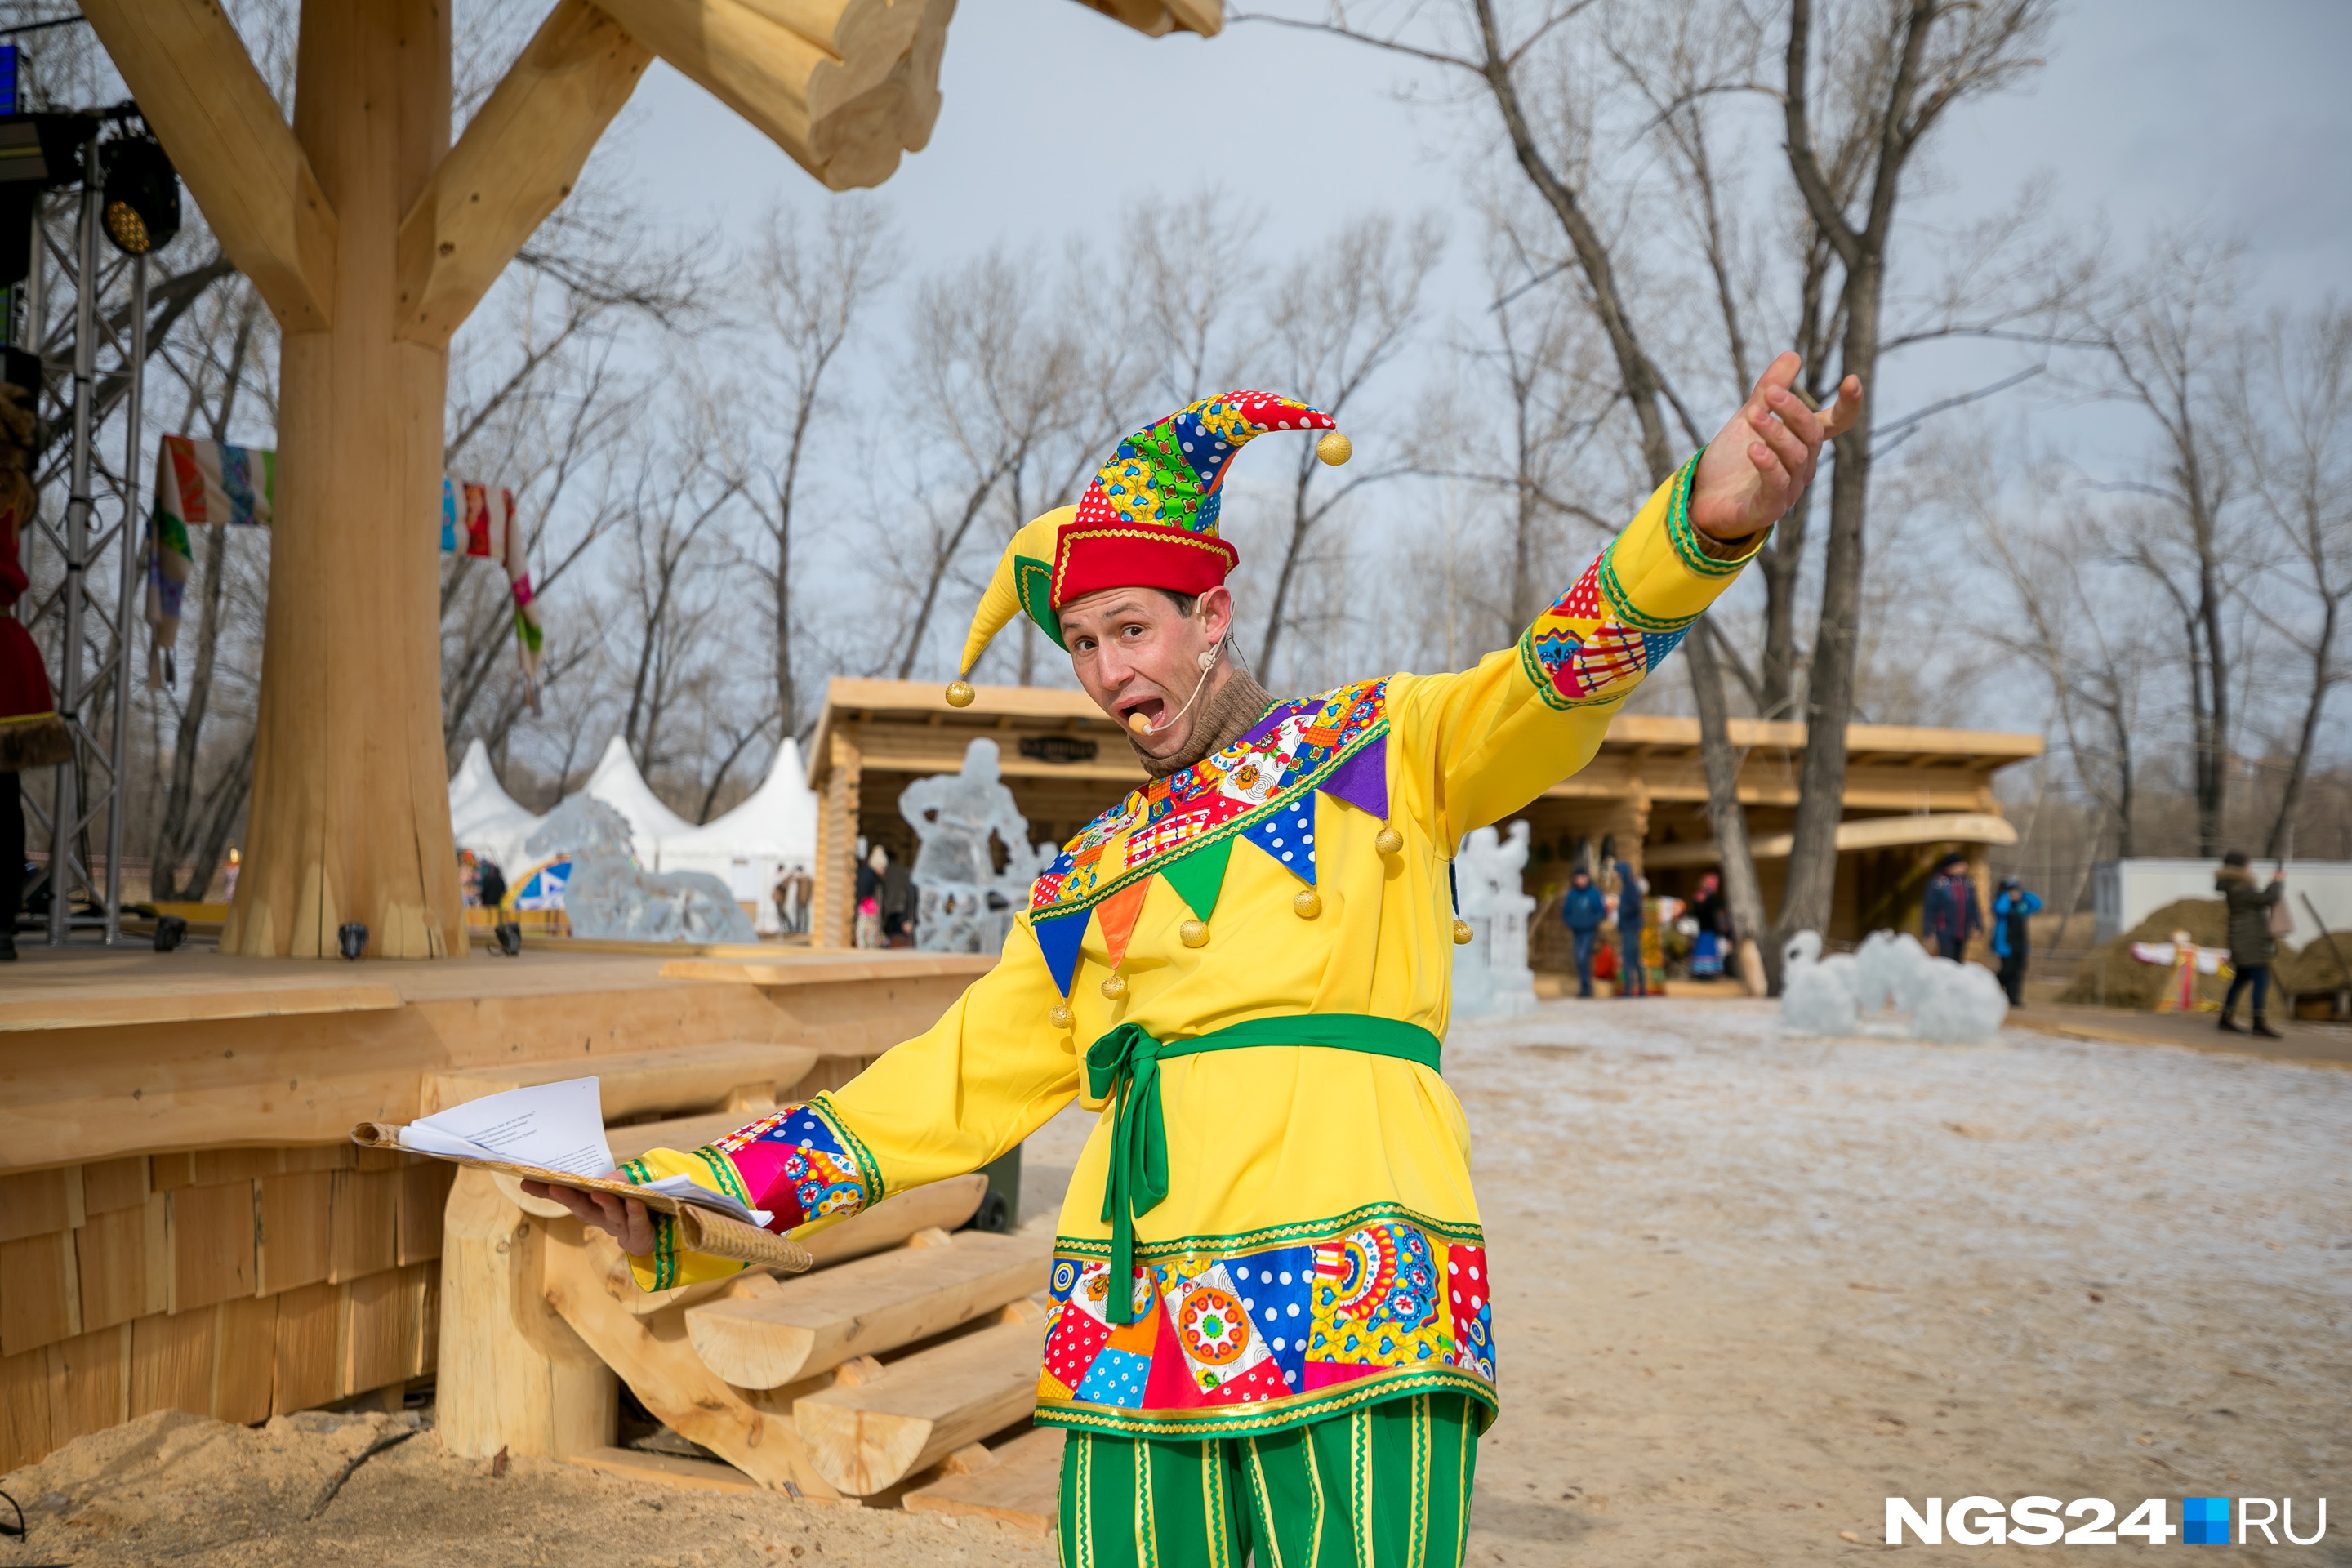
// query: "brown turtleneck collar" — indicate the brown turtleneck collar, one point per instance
point(1236, 702)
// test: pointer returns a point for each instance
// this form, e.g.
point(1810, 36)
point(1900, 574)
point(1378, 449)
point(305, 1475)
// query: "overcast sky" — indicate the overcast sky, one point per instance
point(1055, 117)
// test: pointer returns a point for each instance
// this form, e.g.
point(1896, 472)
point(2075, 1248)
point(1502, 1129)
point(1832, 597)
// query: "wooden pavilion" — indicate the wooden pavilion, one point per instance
point(1911, 792)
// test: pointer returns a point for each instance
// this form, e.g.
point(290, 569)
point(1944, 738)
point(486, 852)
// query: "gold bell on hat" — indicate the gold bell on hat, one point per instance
point(1114, 987)
point(1388, 840)
point(1060, 1015)
point(1334, 448)
point(1193, 933)
point(1308, 903)
point(960, 693)
point(1462, 932)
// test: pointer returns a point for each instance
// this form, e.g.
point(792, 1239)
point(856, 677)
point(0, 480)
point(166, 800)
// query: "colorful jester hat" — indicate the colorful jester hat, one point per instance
point(1147, 520)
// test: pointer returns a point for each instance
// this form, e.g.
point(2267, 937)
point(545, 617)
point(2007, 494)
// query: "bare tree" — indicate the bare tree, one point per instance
point(198, 817)
point(1340, 316)
point(1193, 268)
point(814, 288)
point(1890, 75)
point(2170, 347)
point(680, 494)
point(2296, 411)
point(990, 381)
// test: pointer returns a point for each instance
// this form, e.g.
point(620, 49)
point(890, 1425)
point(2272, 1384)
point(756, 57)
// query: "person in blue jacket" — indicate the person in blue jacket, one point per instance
point(2012, 939)
point(1582, 909)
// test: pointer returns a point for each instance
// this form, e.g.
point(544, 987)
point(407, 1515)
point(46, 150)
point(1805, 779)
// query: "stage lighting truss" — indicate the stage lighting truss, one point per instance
point(83, 311)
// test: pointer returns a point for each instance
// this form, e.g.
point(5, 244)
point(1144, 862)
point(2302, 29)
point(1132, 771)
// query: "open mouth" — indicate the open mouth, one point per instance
point(1153, 709)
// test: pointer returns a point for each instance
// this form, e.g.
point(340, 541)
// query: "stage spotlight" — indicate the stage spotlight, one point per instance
point(351, 939)
point(142, 196)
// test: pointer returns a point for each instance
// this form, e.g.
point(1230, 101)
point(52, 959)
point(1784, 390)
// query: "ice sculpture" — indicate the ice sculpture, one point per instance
point(582, 827)
point(964, 904)
point(1491, 978)
point(1948, 1003)
point(610, 899)
point(1816, 998)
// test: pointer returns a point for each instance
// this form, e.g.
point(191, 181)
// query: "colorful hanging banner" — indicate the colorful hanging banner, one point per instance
point(200, 483)
point(480, 521)
point(196, 483)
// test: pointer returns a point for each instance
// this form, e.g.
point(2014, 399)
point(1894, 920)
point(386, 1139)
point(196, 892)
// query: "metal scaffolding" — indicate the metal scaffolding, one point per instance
point(83, 309)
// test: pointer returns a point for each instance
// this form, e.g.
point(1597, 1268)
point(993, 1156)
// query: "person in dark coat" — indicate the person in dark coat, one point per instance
point(1713, 918)
point(31, 735)
point(1582, 909)
point(1951, 916)
point(1632, 977)
point(2251, 946)
point(2013, 939)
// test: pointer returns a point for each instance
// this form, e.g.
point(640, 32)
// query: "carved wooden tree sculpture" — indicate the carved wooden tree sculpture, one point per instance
point(371, 238)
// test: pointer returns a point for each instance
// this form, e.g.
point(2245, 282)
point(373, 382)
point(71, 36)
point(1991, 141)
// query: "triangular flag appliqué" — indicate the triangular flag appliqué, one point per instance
point(1117, 914)
point(1059, 939)
point(1198, 875)
point(1289, 835)
point(1362, 781)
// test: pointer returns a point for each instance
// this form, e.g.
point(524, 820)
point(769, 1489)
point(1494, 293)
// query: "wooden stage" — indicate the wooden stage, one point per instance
point(184, 1220)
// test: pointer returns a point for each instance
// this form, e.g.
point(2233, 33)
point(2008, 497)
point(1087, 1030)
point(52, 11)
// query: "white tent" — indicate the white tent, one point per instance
point(618, 784)
point(751, 846)
point(749, 849)
point(484, 818)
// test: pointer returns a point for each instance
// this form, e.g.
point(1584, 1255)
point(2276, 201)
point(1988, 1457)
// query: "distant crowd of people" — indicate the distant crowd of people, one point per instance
point(1951, 916)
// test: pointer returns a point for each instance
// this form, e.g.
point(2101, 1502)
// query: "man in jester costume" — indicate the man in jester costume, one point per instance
point(1272, 1327)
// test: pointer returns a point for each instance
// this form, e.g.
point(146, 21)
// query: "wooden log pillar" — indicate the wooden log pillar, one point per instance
point(349, 818)
point(833, 903)
point(511, 1375)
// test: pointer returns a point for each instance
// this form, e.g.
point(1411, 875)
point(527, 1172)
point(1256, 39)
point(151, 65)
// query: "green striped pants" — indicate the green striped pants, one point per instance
point(1386, 1485)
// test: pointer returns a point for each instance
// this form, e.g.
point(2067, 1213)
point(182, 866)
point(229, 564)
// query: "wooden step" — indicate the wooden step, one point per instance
point(745, 1073)
point(1020, 1485)
point(794, 1328)
point(940, 1205)
point(868, 1437)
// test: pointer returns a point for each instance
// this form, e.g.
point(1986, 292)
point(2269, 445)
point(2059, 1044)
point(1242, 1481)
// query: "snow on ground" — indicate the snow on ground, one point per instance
point(1750, 1284)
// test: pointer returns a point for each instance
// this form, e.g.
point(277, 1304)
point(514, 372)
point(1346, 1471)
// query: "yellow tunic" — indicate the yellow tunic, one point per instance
point(1319, 1244)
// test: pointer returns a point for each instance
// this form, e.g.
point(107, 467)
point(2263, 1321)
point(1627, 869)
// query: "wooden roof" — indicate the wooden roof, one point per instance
point(908, 723)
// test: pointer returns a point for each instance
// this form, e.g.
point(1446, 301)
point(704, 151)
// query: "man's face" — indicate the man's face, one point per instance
point(1136, 653)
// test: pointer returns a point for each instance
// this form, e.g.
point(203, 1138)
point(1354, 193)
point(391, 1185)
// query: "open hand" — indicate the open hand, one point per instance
point(625, 1220)
point(1754, 470)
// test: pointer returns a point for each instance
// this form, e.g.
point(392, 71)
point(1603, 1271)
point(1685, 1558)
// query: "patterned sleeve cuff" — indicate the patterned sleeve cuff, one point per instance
point(803, 1164)
point(1633, 604)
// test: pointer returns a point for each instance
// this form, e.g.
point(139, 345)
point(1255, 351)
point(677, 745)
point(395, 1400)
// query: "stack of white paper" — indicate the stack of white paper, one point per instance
point(552, 1126)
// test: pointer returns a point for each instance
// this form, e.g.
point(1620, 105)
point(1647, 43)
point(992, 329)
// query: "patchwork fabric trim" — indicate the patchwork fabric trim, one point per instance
point(1235, 1337)
point(803, 1164)
point(1595, 645)
point(1252, 784)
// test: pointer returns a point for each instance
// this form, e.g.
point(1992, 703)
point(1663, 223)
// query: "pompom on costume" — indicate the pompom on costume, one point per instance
point(1270, 1261)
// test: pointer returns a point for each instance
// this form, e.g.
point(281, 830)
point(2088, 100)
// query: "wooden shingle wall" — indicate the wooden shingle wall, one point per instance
point(235, 1283)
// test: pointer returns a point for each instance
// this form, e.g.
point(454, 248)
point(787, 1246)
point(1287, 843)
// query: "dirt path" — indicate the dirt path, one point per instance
point(1748, 1287)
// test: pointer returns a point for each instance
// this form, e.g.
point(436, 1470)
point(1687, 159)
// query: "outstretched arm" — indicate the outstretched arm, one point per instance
point(1491, 738)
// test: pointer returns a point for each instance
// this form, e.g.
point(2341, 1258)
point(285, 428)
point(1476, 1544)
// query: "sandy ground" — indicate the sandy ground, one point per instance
point(1748, 1287)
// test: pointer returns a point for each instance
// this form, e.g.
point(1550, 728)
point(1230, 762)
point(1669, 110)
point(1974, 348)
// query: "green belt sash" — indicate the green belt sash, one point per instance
point(1128, 1060)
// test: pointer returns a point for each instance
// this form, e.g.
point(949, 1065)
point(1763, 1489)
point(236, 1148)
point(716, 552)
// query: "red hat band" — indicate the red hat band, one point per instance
point(1089, 557)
